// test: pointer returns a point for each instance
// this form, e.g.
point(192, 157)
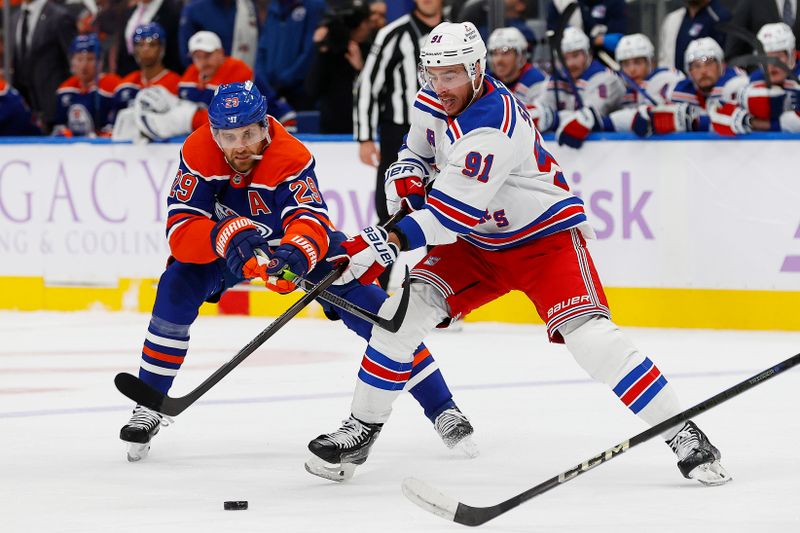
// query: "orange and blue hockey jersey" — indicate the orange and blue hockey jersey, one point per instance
point(280, 195)
point(232, 70)
point(15, 116)
point(131, 84)
point(85, 110)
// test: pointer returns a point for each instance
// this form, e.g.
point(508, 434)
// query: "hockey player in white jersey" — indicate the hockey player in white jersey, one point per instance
point(763, 106)
point(508, 62)
point(500, 217)
point(710, 85)
point(645, 106)
point(585, 94)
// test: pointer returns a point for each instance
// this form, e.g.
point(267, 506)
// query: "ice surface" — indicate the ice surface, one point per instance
point(63, 468)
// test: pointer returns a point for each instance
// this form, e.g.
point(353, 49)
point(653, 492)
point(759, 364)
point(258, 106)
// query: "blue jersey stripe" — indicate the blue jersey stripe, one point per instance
point(633, 376)
point(648, 395)
point(378, 358)
point(461, 206)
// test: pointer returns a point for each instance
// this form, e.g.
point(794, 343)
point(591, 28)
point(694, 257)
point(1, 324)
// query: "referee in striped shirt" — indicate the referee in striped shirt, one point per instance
point(385, 91)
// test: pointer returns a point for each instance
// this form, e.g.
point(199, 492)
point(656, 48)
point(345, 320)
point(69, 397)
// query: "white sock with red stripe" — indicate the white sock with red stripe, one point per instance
point(607, 355)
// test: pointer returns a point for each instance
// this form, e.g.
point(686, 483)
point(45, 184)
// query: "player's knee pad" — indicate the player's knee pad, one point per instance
point(426, 309)
point(600, 347)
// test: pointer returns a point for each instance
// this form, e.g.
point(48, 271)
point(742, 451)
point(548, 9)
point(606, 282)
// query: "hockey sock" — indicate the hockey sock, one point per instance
point(164, 349)
point(427, 385)
point(607, 355)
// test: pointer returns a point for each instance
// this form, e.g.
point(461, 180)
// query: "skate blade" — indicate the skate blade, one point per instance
point(137, 452)
point(338, 473)
point(467, 447)
point(711, 474)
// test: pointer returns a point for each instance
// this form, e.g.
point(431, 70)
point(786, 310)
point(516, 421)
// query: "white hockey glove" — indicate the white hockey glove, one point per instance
point(156, 99)
point(405, 186)
point(790, 121)
point(368, 254)
point(161, 126)
point(543, 116)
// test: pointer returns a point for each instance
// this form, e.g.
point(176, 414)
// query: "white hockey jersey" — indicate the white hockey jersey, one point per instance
point(598, 87)
point(496, 184)
point(658, 85)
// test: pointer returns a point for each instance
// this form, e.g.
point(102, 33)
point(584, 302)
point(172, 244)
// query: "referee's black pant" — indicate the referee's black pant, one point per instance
point(392, 136)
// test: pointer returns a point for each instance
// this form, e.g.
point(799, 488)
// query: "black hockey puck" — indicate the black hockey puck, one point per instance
point(236, 506)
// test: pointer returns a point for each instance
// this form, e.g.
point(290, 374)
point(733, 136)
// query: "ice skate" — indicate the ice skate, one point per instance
point(697, 457)
point(456, 431)
point(140, 429)
point(336, 455)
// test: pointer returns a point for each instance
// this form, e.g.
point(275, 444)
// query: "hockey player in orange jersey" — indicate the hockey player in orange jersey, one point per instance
point(245, 186)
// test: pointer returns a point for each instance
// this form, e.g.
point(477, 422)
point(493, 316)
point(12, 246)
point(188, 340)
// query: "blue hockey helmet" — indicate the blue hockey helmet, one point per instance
point(150, 31)
point(237, 105)
point(85, 43)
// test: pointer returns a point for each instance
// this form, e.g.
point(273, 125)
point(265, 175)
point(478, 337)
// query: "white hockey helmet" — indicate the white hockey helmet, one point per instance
point(777, 37)
point(452, 43)
point(573, 39)
point(633, 46)
point(510, 38)
point(703, 49)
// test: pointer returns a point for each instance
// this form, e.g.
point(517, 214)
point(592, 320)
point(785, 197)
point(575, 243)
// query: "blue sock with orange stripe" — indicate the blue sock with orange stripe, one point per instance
point(164, 350)
point(427, 385)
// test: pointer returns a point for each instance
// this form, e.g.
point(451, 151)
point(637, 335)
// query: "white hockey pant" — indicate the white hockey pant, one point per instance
point(607, 355)
point(372, 402)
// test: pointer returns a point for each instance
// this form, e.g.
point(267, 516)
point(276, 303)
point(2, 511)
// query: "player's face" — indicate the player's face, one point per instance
point(636, 68)
point(147, 53)
point(504, 64)
point(452, 85)
point(429, 8)
point(207, 63)
point(576, 62)
point(240, 145)
point(705, 73)
point(84, 67)
point(776, 74)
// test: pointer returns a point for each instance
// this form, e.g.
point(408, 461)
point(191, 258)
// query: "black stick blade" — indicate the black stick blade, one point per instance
point(139, 391)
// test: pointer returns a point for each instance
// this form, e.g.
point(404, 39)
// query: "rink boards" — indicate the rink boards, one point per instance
point(694, 231)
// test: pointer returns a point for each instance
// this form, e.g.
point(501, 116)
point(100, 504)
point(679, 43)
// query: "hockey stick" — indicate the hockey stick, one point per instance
point(559, 34)
point(143, 394)
point(748, 37)
point(762, 61)
point(448, 508)
point(611, 63)
point(389, 324)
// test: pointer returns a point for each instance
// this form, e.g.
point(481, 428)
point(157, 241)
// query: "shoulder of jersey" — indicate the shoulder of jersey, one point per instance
point(71, 84)
point(190, 75)
point(757, 75)
point(284, 159)
point(495, 109)
point(427, 102)
point(686, 85)
point(133, 79)
point(531, 75)
point(594, 67)
point(4, 87)
point(108, 82)
point(665, 72)
point(729, 73)
point(232, 70)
